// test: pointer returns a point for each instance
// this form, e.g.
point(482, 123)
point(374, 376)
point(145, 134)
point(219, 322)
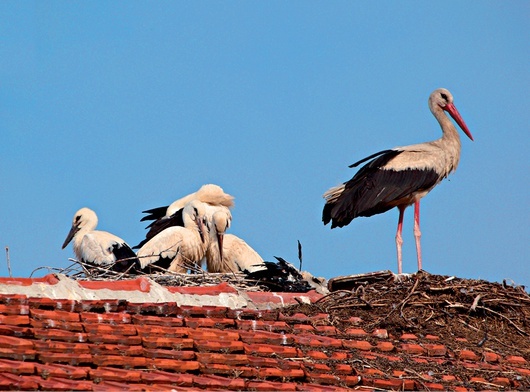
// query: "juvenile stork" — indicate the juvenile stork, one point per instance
point(167, 216)
point(227, 252)
point(400, 177)
point(178, 248)
point(99, 248)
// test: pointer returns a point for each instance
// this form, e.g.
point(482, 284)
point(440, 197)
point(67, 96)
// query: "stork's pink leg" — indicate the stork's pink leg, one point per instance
point(399, 238)
point(417, 232)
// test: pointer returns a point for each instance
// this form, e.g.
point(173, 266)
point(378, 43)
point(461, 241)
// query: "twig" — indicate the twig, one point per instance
point(506, 318)
point(475, 303)
point(8, 262)
point(412, 291)
point(300, 254)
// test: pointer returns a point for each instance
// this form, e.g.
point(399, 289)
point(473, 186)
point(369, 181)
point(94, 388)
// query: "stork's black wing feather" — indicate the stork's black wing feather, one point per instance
point(373, 156)
point(126, 259)
point(160, 225)
point(161, 263)
point(375, 189)
point(154, 213)
point(281, 276)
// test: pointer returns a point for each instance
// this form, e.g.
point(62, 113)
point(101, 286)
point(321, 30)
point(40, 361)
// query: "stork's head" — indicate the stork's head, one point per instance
point(84, 219)
point(221, 220)
point(442, 99)
point(193, 216)
point(214, 195)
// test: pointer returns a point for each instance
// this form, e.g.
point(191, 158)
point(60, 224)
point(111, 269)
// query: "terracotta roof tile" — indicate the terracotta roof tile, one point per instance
point(270, 349)
point(14, 319)
point(208, 322)
point(106, 318)
point(113, 349)
point(180, 366)
point(257, 337)
point(191, 341)
point(114, 374)
point(271, 386)
point(169, 343)
point(59, 335)
point(16, 367)
point(14, 309)
point(69, 358)
point(219, 346)
point(156, 320)
point(263, 325)
point(10, 330)
point(140, 284)
point(216, 382)
point(61, 371)
point(252, 314)
point(120, 361)
point(60, 347)
point(385, 346)
point(22, 383)
point(55, 315)
point(161, 331)
point(516, 360)
point(317, 341)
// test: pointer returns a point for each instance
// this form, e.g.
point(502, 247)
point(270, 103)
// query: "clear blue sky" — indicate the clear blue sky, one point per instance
point(125, 106)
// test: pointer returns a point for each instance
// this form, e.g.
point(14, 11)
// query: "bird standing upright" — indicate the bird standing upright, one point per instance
point(400, 177)
point(99, 248)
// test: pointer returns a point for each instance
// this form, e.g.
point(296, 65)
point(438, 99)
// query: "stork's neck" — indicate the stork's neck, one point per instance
point(449, 142)
point(212, 252)
point(78, 239)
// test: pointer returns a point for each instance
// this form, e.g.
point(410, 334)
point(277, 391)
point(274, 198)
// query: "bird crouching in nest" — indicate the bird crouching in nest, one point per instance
point(281, 276)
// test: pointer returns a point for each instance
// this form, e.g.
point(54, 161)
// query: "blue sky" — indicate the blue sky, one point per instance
point(125, 106)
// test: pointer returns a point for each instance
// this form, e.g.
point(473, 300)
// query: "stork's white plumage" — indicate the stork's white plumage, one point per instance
point(227, 252)
point(167, 216)
point(400, 177)
point(210, 194)
point(178, 248)
point(99, 248)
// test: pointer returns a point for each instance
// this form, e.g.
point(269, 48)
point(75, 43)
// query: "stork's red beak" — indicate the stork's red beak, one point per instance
point(451, 109)
point(220, 243)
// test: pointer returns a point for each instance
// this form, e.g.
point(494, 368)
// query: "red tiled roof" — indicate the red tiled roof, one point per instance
point(60, 334)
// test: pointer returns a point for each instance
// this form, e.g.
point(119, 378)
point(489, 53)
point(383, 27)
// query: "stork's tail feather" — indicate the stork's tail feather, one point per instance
point(331, 196)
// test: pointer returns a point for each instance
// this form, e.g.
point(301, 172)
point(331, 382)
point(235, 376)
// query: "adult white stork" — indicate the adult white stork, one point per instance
point(400, 177)
point(167, 216)
point(227, 252)
point(99, 248)
point(178, 248)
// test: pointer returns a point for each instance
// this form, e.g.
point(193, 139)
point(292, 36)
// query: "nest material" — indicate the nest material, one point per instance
point(281, 276)
point(485, 314)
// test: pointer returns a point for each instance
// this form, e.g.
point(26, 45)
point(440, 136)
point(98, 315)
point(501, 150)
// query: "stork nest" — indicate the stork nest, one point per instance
point(488, 315)
point(281, 276)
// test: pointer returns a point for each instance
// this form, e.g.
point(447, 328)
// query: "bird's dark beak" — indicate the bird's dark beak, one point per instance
point(220, 243)
point(200, 225)
point(451, 109)
point(70, 235)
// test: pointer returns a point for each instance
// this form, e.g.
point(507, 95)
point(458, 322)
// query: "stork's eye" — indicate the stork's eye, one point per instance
point(444, 96)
